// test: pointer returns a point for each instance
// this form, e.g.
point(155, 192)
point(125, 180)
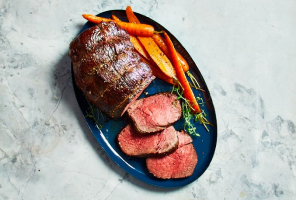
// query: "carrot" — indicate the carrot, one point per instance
point(139, 47)
point(157, 38)
point(131, 16)
point(160, 42)
point(115, 18)
point(159, 58)
point(158, 73)
point(187, 91)
point(137, 44)
point(144, 30)
point(155, 53)
point(146, 58)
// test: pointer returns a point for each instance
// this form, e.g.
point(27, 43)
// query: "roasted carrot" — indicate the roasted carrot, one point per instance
point(160, 42)
point(131, 16)
point(155, 53)
point(137, 44)
point(187, 91)
point(159, 58)
point(144, 30)
point(158, 73)
point(157, 38)
point(115, 18)
point(146, 58)
point(139, 47)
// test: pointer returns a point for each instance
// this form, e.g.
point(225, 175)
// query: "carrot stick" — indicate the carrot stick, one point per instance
point(115, 18)
point(137, 44)
point(158, 73)
point(155, 53)
point(146, 58)
point(144, 30)
point(160, 42)
point(131, 16)
point(187, 91)
point(158, 56)
point(139, 47)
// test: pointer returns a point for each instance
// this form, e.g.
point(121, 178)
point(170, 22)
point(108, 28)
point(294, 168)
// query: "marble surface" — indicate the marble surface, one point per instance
point(246, 53)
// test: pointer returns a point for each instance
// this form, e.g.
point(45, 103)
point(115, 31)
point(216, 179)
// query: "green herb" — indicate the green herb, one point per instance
point(188, 116)
point(195, 83)
point(95, 115)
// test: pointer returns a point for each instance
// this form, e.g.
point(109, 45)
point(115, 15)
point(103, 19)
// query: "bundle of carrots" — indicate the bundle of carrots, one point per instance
point(158, 52)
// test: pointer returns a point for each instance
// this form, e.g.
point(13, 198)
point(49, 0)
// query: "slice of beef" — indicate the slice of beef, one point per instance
point(184, 138)
point(140, 145)
point(154, 113)
point(179, 164)
point(108, 69)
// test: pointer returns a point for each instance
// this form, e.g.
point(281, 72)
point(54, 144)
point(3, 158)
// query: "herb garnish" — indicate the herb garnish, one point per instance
point(95, 115)
point(188, 116)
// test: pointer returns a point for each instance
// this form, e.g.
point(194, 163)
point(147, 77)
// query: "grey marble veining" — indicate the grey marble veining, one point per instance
point(246, 53)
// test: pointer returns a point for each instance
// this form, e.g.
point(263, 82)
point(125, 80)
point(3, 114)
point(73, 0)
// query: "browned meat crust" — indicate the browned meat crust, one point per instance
point(107, 68)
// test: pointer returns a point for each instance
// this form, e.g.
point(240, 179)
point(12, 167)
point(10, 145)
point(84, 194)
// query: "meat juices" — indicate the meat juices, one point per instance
point(108, 69)
point(140, 145)
point(154, 113)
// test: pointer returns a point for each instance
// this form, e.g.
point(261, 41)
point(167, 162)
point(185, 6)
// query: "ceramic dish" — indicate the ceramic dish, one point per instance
point(106, 136)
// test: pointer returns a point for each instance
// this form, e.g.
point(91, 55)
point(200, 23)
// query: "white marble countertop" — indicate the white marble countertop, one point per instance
point(246, 53)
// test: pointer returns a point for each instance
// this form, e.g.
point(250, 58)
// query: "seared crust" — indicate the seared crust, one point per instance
point(107, 68)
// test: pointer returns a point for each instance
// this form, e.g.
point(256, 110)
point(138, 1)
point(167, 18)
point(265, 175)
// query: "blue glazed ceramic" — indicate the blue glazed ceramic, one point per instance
point(106, 136)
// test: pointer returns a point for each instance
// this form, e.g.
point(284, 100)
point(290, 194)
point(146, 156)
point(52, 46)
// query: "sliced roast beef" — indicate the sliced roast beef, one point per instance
point(107, 68)
point(179, 164)
point(143, 145)
point(154, 113)
point(184, 138)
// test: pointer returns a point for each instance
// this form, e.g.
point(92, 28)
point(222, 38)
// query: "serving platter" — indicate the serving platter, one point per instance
point(106, 135)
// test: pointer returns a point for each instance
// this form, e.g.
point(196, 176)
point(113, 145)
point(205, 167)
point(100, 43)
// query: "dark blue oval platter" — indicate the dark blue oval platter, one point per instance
point(106, 136)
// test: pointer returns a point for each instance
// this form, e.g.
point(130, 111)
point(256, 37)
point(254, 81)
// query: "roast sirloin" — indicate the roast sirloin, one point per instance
point(107, 68)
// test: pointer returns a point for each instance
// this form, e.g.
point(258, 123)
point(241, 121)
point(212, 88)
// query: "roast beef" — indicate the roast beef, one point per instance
point(154, 113)
point(184, 138)
point(107, 68)
point(179, 164)
point(144, 145)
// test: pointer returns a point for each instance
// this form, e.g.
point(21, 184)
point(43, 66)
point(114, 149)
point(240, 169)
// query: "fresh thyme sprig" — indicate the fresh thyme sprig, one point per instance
point(195, 83)
point(188, 115)
point(95, 115)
